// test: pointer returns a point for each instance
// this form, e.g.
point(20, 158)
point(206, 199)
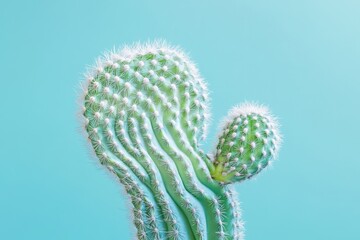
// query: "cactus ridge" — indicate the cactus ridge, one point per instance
point(146, 109)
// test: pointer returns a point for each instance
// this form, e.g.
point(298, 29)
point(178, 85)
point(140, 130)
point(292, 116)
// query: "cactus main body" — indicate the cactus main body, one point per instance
point(146, 109)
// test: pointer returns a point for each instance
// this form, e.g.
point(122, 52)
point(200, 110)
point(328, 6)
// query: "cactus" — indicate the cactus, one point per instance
point(146, 109)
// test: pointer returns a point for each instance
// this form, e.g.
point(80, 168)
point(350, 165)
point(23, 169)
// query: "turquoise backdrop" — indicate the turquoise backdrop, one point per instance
point(301, 58)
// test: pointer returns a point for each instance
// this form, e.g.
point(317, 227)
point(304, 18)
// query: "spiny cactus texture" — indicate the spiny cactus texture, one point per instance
point(146, 109)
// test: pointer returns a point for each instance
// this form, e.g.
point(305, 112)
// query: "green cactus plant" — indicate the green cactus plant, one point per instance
point(146, 108)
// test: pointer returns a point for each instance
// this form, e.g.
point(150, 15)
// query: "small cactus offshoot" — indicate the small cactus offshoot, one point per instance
point(146, 109)
point(249, 141)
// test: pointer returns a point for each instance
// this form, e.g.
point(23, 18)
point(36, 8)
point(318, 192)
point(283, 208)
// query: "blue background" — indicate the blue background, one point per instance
point(301, 58)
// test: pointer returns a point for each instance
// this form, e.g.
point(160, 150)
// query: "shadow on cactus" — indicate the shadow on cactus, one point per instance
point(146, 109)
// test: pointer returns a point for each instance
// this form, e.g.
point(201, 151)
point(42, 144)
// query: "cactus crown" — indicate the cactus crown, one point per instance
point(146, 109)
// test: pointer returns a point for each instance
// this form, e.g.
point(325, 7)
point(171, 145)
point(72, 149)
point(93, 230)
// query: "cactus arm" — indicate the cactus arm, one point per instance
point(249, 141)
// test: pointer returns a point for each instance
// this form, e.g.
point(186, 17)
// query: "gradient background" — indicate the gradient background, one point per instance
point(301, 58)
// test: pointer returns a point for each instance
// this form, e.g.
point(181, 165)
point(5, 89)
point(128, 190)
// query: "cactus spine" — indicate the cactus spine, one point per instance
point(146, 109)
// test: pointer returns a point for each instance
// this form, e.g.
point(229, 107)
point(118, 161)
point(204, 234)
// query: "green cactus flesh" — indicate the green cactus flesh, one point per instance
point(146, 109)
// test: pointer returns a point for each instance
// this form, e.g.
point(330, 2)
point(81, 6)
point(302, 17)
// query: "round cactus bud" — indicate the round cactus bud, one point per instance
point(249, 141)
